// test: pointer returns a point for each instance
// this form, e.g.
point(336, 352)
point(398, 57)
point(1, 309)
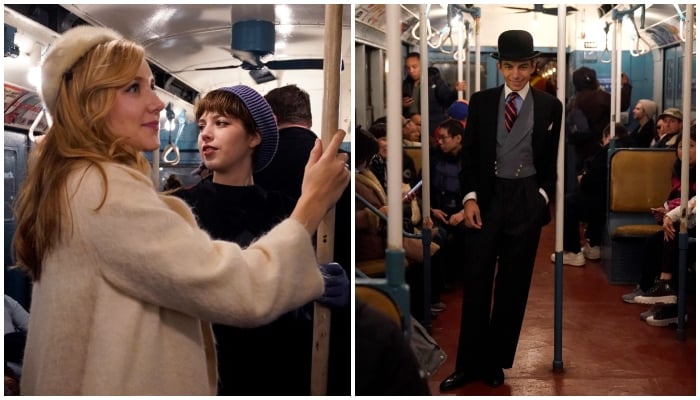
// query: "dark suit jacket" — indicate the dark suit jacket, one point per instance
point(479, 152)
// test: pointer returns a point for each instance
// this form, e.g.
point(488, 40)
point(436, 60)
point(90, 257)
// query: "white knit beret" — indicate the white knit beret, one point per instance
point(64, 53)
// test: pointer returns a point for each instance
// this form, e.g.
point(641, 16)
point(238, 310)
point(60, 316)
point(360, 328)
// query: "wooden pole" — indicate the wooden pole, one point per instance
point(325, 232)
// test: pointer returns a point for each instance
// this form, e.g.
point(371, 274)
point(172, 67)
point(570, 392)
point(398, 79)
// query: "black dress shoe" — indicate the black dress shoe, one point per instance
point(494, 377)
point(457, 379)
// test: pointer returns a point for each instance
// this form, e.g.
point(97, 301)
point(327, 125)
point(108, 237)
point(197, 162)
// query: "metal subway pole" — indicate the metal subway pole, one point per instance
point(325, 233)
point(460, 26)
point(427, 319)
point(155, 167)
point(477, 54)
point(685, 173)
point(558, 363)
point(395, 270)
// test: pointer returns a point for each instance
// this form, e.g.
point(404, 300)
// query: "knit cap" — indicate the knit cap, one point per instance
point(64, 53)
point(649, 107)
point(459, 110)
point(264, 122)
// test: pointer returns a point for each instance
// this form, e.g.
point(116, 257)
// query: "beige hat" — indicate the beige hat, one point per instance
point(649, 107)
point(64, 53)
point(672, 112)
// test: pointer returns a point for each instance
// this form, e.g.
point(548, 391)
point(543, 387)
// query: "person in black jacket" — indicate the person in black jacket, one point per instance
point(645, 113)
point(440, 94)
point(238, 135)
point(508, 179)
point(292, 108)
point(588, 203)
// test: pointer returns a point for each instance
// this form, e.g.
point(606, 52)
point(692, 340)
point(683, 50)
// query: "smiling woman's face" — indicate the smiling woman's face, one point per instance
point(135, 114)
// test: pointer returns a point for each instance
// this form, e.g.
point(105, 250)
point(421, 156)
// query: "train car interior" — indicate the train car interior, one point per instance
point(606, 349)
point(580, 335)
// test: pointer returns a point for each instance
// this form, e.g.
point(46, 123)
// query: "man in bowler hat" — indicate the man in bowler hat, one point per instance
point(508, 179)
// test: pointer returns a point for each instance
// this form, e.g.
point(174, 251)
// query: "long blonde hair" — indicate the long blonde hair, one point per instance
point(78, 136)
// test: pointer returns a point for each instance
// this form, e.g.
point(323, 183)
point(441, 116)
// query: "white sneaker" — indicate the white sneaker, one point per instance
point(591, 252)
point(573, 259)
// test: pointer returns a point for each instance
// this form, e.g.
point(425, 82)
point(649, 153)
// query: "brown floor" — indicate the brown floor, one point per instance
point(607, 349)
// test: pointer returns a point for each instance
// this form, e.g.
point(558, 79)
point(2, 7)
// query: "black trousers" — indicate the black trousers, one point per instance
point(498, 273)
point(661, 256)
point(581, 207)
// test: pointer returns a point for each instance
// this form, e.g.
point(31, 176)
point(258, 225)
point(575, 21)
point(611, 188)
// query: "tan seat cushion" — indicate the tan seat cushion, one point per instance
point(635, 230)
point(372, 268)
point(379, 301)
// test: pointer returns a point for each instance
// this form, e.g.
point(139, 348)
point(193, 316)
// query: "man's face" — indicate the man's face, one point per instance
point(413, 68)
point(516, 74)
point(673, 125)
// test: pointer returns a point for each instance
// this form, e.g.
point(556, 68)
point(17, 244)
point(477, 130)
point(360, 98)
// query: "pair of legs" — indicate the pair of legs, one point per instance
point(582, 207)
point(448, 262)
point(504, 251)
point(659, 282)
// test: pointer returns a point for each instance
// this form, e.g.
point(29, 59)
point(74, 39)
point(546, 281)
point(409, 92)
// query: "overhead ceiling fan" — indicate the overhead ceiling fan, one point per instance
point(253, 41)
point(541, 9)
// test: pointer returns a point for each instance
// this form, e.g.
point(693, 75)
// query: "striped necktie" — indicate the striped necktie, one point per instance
point(511, 110)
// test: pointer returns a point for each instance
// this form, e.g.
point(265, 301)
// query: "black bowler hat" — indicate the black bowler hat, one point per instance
point(515, 45)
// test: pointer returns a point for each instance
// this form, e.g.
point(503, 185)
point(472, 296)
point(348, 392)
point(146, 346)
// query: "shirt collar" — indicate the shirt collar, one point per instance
point(522, 92)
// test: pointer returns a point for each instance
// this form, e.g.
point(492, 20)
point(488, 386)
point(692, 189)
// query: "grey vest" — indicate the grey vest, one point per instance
point(514, 149)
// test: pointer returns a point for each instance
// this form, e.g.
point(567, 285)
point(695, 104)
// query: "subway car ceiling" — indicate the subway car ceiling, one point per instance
point(658, 24)
point(650, 43)
point(262, 46)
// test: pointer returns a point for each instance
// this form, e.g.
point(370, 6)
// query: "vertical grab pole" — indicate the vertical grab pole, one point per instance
point(558, 363)
point(325, 233)
point(460, 54)
point(685, 173)
point(155, 168)
point(613, 68)
point(427, 320)
point(395, 253)
point(615, 78)
point(477, 57)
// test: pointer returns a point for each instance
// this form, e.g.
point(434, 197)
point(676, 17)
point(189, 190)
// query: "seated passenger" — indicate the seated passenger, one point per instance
point(385, 364)
point(588, 204)
point(417, 120)
point(645, 113)
point(658, 284)
point(446, 209)
point(377, 163)
point(673, 125)
point(458, 110)
point(369, 242)
point(16, 324)
point(410, 132)
point(370, 230)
